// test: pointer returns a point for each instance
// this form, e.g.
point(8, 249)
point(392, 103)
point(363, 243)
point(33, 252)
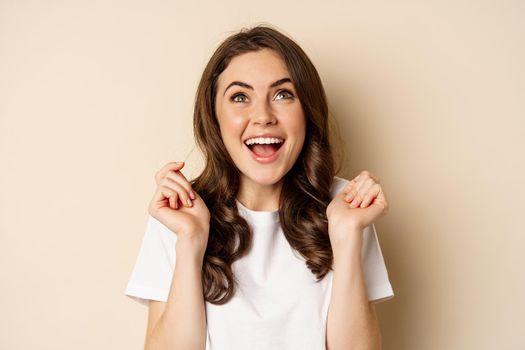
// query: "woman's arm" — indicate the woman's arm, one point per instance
point(352, 322)
point(180, 323)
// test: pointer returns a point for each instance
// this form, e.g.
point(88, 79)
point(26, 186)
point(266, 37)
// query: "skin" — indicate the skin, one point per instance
point(360, 203)
point(352, 320)
point(242, 112)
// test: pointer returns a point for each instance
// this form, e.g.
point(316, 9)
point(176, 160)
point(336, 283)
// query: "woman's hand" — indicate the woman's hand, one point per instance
point(358, 205)
point(179, 207)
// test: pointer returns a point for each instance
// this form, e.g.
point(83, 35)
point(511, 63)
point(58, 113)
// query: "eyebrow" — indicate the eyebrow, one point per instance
point(240, 83)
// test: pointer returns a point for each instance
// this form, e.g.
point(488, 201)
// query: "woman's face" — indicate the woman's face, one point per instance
point(256, 98)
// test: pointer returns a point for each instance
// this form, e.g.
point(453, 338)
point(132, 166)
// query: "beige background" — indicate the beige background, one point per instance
point(97, 95)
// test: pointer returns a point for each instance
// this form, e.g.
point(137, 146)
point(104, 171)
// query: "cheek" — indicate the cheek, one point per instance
point(296, 130)
point(238, 123)
point(301, 133)
point(234, 122)
point(298, 125)
point(232, 126)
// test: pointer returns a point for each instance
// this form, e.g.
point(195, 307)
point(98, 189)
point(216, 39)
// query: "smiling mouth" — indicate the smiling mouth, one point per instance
point(265, 150)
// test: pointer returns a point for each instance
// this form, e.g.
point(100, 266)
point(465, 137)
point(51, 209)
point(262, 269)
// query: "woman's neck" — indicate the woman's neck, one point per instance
point(259, 197)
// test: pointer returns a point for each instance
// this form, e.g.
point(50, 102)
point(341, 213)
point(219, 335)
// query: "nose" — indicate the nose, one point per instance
point(263, 114)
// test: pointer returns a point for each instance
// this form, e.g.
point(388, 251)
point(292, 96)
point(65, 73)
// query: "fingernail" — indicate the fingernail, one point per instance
point(348, 196)
point(189, 202)
point(192, 194)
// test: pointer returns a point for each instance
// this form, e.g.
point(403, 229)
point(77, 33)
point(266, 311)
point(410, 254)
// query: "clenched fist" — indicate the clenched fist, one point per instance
point(179, 207)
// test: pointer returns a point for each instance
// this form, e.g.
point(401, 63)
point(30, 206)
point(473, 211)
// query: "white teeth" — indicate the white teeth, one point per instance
point(262, 140)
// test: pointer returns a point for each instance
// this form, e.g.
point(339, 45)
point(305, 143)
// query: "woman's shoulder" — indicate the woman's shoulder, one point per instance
point(338, 184)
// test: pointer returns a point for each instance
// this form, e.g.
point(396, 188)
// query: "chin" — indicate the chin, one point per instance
point(266, 179)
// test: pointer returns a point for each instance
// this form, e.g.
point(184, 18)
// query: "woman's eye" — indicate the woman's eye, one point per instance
point(285, 94)
point(238, 98)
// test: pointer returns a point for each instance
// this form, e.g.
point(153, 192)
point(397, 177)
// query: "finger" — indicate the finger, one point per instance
point(181, 179)
point(366, 173)
point(355, 187)
point(181, 191)
point(361, 189)
point(169, 166)
point(350, 190)
point(169, 194)
point(349, 185)
point(174, 203)
point(382, 201)
point(172, 196)
point(161, 196)
point(371, 195)
point(364, 186)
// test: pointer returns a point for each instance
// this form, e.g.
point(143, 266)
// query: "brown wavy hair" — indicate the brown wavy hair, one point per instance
point(306, 189)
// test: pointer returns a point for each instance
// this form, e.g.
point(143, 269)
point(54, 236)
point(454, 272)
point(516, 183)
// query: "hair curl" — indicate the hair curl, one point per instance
point(306, 189)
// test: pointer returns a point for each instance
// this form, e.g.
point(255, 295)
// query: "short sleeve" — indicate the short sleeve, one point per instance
point(153, 270)
point(374, 268)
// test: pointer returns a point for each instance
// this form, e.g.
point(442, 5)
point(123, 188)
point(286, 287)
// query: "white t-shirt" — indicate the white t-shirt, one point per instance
point(278, 305)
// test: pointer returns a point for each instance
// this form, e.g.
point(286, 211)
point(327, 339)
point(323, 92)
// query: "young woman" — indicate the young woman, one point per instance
point(266, 248)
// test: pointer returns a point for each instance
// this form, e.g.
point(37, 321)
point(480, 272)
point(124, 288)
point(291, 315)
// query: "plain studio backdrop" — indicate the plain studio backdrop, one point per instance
point(95, 96)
